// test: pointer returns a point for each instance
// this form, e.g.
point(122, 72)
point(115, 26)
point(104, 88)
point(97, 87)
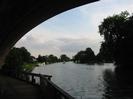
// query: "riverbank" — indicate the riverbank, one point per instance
point(28, 67)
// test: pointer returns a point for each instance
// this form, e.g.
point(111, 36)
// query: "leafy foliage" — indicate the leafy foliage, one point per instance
point(41, 59)
point(118, 33)
point(16, 58)
point(64, 58)
point(52, 59)
point(48, 59)
point(86, 56)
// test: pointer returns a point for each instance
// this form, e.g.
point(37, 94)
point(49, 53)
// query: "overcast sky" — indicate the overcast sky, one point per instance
point(73, 30)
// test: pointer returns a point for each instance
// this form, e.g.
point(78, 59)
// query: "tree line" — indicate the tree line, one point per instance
point(48, 59)
point(20, 59)
point(117, 31)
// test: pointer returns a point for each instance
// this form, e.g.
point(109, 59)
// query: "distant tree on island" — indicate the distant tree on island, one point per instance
point(86, 56)
point(48, 59)
point(52, 59)
point(41, 59)
point(64, 58)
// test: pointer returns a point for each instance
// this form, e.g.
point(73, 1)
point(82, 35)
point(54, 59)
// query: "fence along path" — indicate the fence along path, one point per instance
point(23, 85)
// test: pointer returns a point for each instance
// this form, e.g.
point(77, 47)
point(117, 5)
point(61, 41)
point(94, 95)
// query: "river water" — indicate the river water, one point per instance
point(83, 81)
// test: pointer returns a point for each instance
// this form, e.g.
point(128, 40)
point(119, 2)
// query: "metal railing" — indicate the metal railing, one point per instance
point(48, 88)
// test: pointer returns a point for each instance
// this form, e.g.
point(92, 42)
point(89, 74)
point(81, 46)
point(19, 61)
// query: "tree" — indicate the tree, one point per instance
point(124, 52)
point(52, 59)
point(26, 56)
point(64, 58)
point(112, 27)
point(105, 54)
point(79, 57)
point(48, 59)
point(41, 59)
point(16, 58)
point(118, 33)
point(112, 30)
point(86, 56)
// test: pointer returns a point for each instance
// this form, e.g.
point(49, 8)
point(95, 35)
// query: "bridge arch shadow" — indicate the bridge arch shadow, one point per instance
point(19, 17)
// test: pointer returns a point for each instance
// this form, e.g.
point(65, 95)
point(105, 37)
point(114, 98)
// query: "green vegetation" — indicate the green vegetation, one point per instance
point(86, 56)
point(29, 66)
point(113, 30)
point(64, 58)
point(117, 47)
point(49, 59)
point(118, 37)
point(18, 59)
point(117, 31)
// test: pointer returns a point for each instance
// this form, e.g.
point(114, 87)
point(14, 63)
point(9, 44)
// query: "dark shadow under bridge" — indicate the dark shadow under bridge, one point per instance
point(23, 85)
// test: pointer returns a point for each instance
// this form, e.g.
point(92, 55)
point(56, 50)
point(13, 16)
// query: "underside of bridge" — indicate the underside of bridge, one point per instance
point(17, 17)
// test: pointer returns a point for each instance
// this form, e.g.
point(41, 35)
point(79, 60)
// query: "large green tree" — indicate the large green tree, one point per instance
point(118, 34)
point(16, 58)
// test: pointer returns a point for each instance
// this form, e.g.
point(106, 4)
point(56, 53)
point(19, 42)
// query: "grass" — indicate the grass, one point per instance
point(28, 67)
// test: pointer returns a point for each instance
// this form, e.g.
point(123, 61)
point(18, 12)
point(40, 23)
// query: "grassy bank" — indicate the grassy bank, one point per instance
point(28, 67)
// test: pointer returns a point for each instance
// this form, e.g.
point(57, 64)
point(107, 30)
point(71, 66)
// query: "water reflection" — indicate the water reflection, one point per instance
point(91, 81)
point(118, 85)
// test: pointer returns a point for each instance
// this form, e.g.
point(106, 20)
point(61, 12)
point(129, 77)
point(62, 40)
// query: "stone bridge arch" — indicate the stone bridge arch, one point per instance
point(17, 17)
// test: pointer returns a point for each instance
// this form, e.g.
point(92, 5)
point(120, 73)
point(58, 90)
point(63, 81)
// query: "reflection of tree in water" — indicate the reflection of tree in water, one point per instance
point(116, 87)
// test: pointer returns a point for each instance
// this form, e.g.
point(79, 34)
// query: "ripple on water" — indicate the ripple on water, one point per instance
point(81, 81)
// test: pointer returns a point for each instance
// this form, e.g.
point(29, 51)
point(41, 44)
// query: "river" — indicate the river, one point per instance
point(83, 81)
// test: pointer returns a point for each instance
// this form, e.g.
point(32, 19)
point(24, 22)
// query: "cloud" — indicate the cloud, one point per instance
point(74, 45)
point(69, 46)
point(97, 11)
point(73, 30)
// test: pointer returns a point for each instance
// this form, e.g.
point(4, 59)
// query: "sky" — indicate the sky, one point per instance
point(73, 30)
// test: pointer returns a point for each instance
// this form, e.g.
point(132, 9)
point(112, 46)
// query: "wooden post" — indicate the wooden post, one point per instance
point(33, 80)
point(49, 78)
point(27, 78)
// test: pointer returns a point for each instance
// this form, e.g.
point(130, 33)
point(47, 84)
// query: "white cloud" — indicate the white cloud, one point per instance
point(56, 37)
point(100, 10)
point(69, 46)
